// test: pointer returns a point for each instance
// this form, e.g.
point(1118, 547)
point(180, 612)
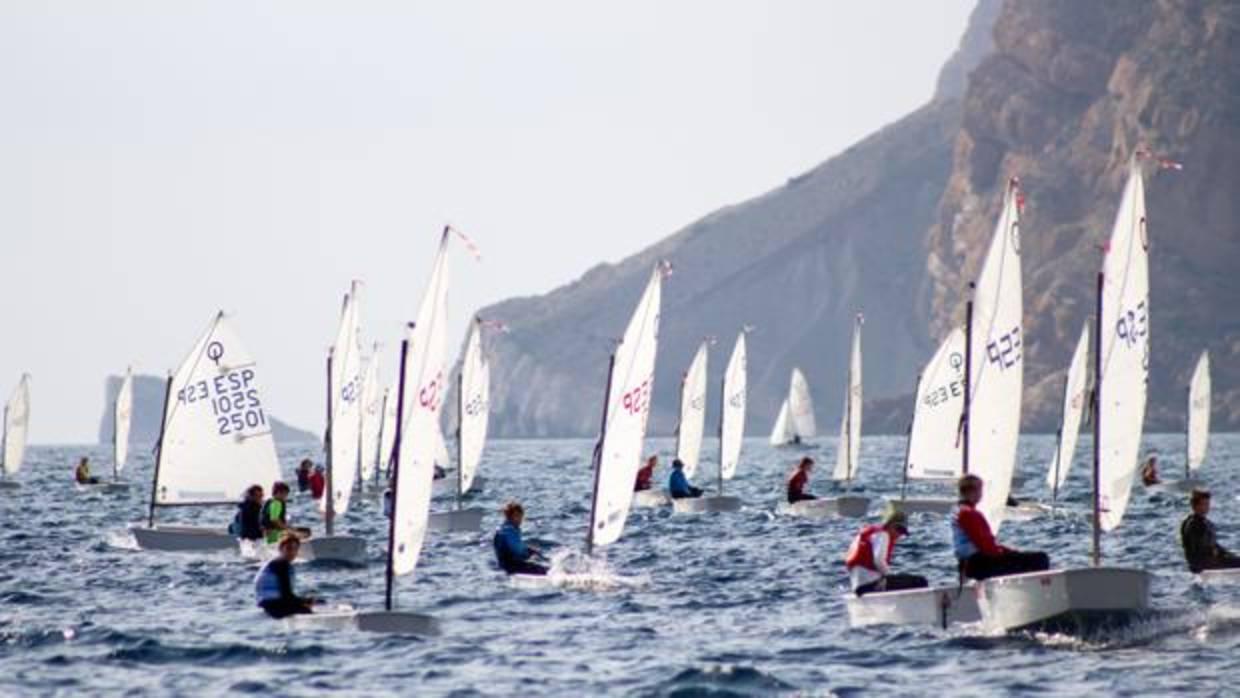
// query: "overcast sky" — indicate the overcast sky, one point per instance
point(162, 160)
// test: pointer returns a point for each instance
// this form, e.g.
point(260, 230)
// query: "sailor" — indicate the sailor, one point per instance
point(798, 480)
point(273, 585)
point(512, 554)
point(248, 524)
point(318, 482)
point(1201, 548)
point(274, 516)
point(82, 475)
point(303, 474)
point(645, 475)
point(387, 503)
point(1149, 471)
point(978, 554)
point(869, 558)
point(678, 483)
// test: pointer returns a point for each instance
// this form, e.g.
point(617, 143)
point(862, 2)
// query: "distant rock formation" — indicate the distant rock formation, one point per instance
point(1059, 92)
point(148, 410)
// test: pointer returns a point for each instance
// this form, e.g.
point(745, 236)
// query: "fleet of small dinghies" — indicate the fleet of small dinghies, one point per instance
point(473, 395)
point(420, 394)
point(732, 404)
point(13, 443)
point(214, 443)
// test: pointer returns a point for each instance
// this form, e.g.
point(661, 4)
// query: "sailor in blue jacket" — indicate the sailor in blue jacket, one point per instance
point(511, 552)
point(678, 484)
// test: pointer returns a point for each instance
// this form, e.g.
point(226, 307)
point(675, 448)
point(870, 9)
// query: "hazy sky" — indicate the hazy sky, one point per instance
point(162, 160)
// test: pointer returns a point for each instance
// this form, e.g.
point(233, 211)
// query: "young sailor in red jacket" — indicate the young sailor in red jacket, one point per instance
point(869, 558)
point(980, 556)
point(799, 480)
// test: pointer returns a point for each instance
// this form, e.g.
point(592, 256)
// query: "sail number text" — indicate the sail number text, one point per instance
point(1005, 351)
point(637, 400)
point(1133, 325)
point(234, 400)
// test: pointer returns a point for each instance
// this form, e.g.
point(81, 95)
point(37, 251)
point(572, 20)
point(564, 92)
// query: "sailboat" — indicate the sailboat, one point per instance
point(13, 442)
point(122, 411)
point(1069, 599)
point(989, 421)
point(848, 453)
point(420, 393)
point(473, 402)
point(732, 404)
point(1197, 433)
point(795, 423)
point(343, 439)
point(1075, 393)
point(215, 440)
point(690, 428)
point(933, 448)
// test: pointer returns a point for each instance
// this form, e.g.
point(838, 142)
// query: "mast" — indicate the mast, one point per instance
point(1097, 400)
point(460, 416)
point(395, 473)
point(159, 449)
point(723, 407)
point(598, 455)
point(329, 493)
point(968, 380)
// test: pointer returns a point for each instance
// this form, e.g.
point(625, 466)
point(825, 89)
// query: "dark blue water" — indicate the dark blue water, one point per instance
point(735, 604)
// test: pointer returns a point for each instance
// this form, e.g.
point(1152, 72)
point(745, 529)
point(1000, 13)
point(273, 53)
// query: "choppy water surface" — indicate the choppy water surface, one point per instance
point(735, 604)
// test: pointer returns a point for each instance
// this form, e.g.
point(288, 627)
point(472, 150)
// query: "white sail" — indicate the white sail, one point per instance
point(732, 422)
point(16, 424)
point(692, 413)
point(627, 410)
point(848, 452)
point(781, 433)
point(344, 428)
point(372, 417)
point(801, 407)
point(1075, 395)
point(1199, 412)
point(424, 390)
point(934, 442)
point(122, 411)
point(475, 397)
point(217, 434)
point(1125, 352)
point(387, 435)
point(997, 374)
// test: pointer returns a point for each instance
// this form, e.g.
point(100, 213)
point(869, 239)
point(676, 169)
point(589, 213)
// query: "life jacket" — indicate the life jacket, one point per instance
point(273, 511)
point(962, 546)
point(861, 553)
point(267, 583)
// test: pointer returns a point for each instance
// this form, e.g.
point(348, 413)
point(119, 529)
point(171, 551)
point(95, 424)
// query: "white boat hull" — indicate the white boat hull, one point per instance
point(456, 521)
point(923, 505)
point(394, 622)
point(1220, 577)
point(183, 538)
point(1072, 601)
point(941, 606)
point(706, 503)
point(1177, 486)
point(575, 582)
point(651, 498)
point(855, 507)
point(114, 487)
point(350, 550)
point(1025, 512)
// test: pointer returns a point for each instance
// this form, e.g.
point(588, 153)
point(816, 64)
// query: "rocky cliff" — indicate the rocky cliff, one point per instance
point(1057, 92)
point(1070, 91)
point(148, 410)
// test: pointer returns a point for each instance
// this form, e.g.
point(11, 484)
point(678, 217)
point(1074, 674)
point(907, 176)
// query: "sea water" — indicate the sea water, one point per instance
point(747, 603)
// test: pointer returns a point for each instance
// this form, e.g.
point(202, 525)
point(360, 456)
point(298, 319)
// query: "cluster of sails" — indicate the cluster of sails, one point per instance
point(216, 436)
